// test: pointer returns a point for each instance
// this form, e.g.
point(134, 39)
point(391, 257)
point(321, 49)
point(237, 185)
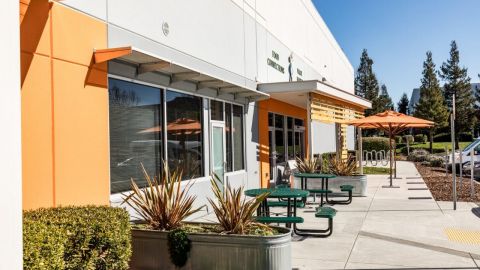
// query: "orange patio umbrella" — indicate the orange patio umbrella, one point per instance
point(178, 127)
point(392, 123)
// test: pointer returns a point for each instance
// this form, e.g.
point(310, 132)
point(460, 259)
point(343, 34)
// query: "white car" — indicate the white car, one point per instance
point(475, 145)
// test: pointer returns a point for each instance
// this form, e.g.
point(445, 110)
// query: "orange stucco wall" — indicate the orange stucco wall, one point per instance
point(279, 107)
point(64, 107)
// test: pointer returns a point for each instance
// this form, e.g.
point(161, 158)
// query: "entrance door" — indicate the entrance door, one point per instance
point(218, 150)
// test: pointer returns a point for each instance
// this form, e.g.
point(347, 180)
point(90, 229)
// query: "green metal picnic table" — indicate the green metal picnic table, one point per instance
point(281, 193)
point(325, 178)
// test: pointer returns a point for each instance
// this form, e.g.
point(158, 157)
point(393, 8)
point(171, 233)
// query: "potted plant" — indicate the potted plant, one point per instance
point(164, 241)
point(307, 165)
point(345, 170)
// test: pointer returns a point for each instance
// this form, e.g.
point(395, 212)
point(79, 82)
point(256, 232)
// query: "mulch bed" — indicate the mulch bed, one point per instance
point(440, 184)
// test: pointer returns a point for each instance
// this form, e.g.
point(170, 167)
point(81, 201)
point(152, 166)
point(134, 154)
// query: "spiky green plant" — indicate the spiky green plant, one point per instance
point(234, 213)
point(342, 167)
point(163, 204)
point(307, 165)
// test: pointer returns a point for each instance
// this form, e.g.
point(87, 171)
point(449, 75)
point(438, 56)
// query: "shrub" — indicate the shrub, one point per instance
point(436, 161)
point(418, 155)
point(420, 138)
point(398, 140)
point(162, 204)
point(88, 237)
point(376, 143)
point(409, 139)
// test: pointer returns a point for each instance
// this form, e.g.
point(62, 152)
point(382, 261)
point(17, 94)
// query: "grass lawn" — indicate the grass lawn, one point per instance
point(376, 170)
point(438, 147)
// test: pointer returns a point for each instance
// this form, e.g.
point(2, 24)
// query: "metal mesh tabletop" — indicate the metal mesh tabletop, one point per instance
point(278, 192)
point(315, 175)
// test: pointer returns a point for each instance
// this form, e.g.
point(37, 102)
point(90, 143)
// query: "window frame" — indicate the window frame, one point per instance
point(202, 121)
point(242, 106)
point(286, 129)
point(163, 90)
point(161, 148)
point(206, 118)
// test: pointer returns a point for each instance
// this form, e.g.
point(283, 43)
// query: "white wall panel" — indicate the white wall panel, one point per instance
point(10, 139)
point(251, 147)
point(323, 137)
point(220, 32)
point(95, 8)
point(250, 47)
point(262, 67)
point(351, 138)
point(210, 30)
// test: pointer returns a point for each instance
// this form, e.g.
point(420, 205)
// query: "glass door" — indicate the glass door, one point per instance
point(218, 150)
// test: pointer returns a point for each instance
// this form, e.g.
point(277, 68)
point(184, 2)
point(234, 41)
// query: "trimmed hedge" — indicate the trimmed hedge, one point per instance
point(376, 143)
point(88, 237)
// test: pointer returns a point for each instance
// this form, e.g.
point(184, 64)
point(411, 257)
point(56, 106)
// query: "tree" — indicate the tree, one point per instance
point(457, 83)
point(384, 102)
point(366, 84)
point(431, 105)
point(402, 105)
point(477, 106)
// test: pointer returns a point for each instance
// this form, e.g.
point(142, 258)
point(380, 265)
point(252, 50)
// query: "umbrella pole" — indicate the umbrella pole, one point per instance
point(391, 164)
point(391, 158)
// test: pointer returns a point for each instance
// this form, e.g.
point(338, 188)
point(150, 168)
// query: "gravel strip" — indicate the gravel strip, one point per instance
point(440, 185)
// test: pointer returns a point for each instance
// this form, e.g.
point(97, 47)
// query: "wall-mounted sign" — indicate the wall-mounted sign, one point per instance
point(275, 55)
point(274, 64)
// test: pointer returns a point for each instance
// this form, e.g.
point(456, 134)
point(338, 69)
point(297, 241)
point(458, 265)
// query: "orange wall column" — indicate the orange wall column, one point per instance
point(64, 108)
point(282, 108)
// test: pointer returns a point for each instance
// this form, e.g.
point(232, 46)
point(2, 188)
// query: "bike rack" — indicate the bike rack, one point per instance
point(375, 157)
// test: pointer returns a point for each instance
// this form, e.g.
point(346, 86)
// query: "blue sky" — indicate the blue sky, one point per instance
point(397, 34)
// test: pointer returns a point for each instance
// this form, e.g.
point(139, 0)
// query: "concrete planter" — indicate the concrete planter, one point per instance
point(358, 181)
point(214, 251)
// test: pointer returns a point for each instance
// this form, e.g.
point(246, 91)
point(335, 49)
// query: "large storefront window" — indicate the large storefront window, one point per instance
point(135, 133)
point(184, 133)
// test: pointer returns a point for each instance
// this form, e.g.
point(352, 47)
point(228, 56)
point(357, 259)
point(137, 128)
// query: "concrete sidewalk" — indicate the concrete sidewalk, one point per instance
point(392, 228)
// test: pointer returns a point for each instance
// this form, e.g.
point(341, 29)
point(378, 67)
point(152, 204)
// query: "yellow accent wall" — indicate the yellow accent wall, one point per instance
point(64, 108)
point(278, 107)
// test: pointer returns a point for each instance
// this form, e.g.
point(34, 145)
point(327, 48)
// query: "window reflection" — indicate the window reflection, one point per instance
point(135, 133)
point(184, 133)
point(237, 129)
point(216, 110)
point(228, 136)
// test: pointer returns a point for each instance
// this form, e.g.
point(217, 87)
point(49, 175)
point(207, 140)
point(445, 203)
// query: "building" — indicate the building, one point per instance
point(416, 96)
point(109, 85)
point(93, 89)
